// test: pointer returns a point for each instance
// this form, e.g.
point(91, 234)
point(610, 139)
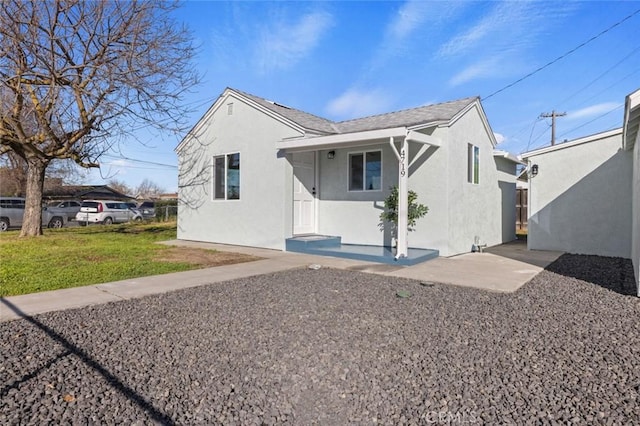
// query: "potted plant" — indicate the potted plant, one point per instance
point(390, 213)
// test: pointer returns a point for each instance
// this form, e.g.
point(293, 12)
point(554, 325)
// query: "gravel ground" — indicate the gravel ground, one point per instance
point(337, 347)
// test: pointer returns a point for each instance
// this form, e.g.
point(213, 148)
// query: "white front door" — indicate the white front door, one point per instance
point(304, 193)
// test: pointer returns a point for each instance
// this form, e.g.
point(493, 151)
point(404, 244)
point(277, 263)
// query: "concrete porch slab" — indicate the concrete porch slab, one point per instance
point(326, 245)
point(503, 268)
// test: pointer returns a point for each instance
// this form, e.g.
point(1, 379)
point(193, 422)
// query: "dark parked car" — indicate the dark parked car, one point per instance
point(148, 209)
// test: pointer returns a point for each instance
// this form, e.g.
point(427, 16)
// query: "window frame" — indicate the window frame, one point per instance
point(226, 157)
point(364, 170)
point(473, 164)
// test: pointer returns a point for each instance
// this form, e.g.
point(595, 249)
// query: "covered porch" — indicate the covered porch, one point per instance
point(375, 160)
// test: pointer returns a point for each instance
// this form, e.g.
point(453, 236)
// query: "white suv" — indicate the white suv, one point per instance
point(106, 212)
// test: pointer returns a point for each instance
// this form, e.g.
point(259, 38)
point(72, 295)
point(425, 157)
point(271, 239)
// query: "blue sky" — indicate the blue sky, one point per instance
point(342, 60)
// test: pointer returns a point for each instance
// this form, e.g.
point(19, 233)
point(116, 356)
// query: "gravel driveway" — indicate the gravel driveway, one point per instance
point(336, 347)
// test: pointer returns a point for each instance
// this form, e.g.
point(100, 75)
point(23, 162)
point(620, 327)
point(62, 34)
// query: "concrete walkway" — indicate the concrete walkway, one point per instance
point(504, 268)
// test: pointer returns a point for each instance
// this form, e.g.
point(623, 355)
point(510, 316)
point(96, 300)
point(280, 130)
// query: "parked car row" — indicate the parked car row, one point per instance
point(12, 211)
point(58, 213)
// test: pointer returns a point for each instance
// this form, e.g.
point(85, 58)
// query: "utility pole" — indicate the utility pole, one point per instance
point(553, 114)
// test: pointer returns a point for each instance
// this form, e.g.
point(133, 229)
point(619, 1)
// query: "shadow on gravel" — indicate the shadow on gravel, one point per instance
point(71, 349)
point(8, 386)
point(612, 273)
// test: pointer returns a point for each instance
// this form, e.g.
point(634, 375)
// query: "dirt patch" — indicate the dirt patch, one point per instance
point(203, 258)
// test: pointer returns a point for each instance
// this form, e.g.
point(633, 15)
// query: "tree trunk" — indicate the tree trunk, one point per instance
point(32, 219)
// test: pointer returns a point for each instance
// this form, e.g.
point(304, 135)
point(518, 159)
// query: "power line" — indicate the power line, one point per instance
point(591, 121)
point(127, 166)
point(563, 56)
point(541, 134)
point(614, 84)
point(533, 126)
point(600, 76)
point(122, 157)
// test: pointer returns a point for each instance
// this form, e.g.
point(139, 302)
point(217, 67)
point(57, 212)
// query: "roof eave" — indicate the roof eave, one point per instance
point(569, 144)
point(341, 140)
point(631, 126)
point(507, 156)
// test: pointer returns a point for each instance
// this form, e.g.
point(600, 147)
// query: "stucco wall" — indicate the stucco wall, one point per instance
point(476, 209)
point(580, 200)
point(261, 217)
point(427, 177)
point(352, 215)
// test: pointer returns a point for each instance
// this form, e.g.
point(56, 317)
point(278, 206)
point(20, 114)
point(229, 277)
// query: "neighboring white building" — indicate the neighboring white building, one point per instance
point(572, 188)
point(253, 172)
point(584, 194)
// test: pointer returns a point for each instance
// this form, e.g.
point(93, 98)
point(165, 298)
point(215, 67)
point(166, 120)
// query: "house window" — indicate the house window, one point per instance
point(365, 171)
point(473, 164)
point(226, 177)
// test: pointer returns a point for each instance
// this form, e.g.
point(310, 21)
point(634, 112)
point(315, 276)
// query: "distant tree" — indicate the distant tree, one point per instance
point(148, 189)
point(77, 76)
point(120, 186)
point(13, 174)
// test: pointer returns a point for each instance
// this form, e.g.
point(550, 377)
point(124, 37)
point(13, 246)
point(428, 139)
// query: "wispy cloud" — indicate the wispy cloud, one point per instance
point(358, 103)
point(504, 34)
point(593, 110)
point(414, 16)
point(508, 25)
point(483, 68)
point(119, 163)
point(500, 138)
point(409, 17)
point(282, 44)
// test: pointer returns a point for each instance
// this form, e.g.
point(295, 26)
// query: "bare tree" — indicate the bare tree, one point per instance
point(148, 189)
point(120, 186)
point(77, 76)
point(13, 174)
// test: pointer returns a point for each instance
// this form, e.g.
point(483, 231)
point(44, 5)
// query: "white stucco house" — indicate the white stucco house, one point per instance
point(253, 172)
point(583, 194)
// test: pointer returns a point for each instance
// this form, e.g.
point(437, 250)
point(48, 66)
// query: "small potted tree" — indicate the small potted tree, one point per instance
point(390, 213)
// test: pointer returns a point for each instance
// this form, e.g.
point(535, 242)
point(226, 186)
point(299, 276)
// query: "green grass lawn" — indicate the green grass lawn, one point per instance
point(72, 257)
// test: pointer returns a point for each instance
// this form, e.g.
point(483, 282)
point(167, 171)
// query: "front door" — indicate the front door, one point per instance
point(304, 193)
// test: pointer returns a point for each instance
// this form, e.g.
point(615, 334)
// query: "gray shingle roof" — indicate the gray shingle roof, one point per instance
point(301, 118)
point(441, 112)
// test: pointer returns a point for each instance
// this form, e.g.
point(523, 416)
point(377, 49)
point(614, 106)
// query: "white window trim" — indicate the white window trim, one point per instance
point(471, 165)
point(213, 177)
point(364, 170)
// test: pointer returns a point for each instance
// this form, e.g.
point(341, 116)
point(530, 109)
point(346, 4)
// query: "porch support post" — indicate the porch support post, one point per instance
point(403, 200)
